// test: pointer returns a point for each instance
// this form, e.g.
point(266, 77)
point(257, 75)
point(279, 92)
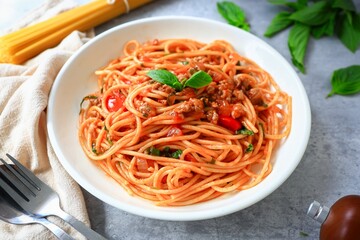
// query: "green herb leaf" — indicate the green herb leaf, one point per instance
point(93, 148)
point(176, 154)
point(326, 29)
point(293, 5)
point(153, 151)
point(249, 148)
point(349, 31)
point(233, 14)
point(278, 2)
point(278, 23)
point(303, 234)
point(166, 152)
point(344, 4)
point(87, 98)
point(165, 77)
point(198, 80)
point(244, 131)
point(356, 21)
point(313, 15)
point(346, 81)
point(298, 39)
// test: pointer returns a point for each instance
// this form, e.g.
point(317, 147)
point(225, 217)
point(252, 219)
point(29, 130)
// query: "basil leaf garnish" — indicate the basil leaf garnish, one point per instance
point(344, 4)
point(198, 80)
point(165, 77)
point(349, 32)
point(278, 23)
point(249, 148)
point(313, 15)
point(244, 131)
point(326, 29)
point(323, 18)
point(233, 14)
point(293, 5)
point(346, 81)
point(176, 154)
point(298, 39)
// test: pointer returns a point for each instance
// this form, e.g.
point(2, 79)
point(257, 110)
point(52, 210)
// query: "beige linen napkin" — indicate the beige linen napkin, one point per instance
point(24, 92)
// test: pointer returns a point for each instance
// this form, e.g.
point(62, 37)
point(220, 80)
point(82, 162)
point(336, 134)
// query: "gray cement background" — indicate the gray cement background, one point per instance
point(328, 170)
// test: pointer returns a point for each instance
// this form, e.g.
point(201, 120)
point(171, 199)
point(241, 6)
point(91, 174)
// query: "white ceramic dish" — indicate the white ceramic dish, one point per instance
point(76, 79)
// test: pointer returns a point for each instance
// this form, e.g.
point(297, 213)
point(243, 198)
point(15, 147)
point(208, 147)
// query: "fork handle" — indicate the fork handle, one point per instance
point(78, 225)
point(58, 232)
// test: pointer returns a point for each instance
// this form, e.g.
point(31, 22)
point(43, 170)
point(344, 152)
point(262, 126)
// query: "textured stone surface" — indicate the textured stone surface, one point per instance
point(328, 170)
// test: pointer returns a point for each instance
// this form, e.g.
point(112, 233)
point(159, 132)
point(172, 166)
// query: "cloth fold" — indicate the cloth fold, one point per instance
point(24, 91)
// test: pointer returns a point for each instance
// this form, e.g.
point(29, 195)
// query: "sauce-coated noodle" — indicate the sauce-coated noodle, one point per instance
point(190, 146)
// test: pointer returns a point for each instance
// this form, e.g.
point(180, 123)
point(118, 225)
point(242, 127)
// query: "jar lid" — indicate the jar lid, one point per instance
point(318, 212)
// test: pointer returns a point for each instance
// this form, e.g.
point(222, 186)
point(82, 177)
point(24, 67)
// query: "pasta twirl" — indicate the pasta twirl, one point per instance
point(184, 147)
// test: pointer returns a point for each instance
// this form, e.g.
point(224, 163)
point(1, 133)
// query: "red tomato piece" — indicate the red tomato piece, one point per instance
point(229, 123)
point(115, 101)
point(164, 179)
point(175, 130)
point(190, 158)
point(142, 165)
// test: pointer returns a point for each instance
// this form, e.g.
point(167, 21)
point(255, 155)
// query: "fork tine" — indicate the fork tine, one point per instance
point(13, 194)
point(26, 173)
point(22, 179)
point(17, 185)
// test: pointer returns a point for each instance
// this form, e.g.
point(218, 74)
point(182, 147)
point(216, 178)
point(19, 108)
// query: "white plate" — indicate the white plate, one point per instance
point(76, 79)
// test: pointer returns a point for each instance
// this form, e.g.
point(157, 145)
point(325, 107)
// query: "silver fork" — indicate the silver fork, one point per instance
point(11, 214)
point(35, 197)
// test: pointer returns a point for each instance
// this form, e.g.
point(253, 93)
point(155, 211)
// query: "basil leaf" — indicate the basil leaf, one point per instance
point(198, 80)
point(356, 21)
point(93, 148)
point(278, 23)
point(233, 14)
point(278, 2)
point(176, 154)
point(249, 148)
point(344, 4)
point(293, 5)
point(326, 29)
point(154, 151)
point(348, 33)
point(165, 77)
point(346, 81)
point(244, 131)
point(87, 98)
point(297, 42)
point(313, 15)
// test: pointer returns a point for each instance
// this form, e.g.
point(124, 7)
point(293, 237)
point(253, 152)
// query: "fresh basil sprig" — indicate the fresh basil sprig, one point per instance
point(346, 81)
point(298, 39)
point(197, 80)
point(279, 23)
point(233, 14)
point(165, 77)
point(323, 18)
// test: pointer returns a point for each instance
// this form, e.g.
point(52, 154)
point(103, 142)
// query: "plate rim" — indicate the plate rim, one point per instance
point(172, 216)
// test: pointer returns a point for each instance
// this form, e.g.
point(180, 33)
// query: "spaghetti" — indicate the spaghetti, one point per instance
point(181, 147)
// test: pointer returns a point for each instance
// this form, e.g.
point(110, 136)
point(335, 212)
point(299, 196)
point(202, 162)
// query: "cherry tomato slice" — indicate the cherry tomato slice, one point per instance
point(175, 130)
point(229, 123)
point(115, 101)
